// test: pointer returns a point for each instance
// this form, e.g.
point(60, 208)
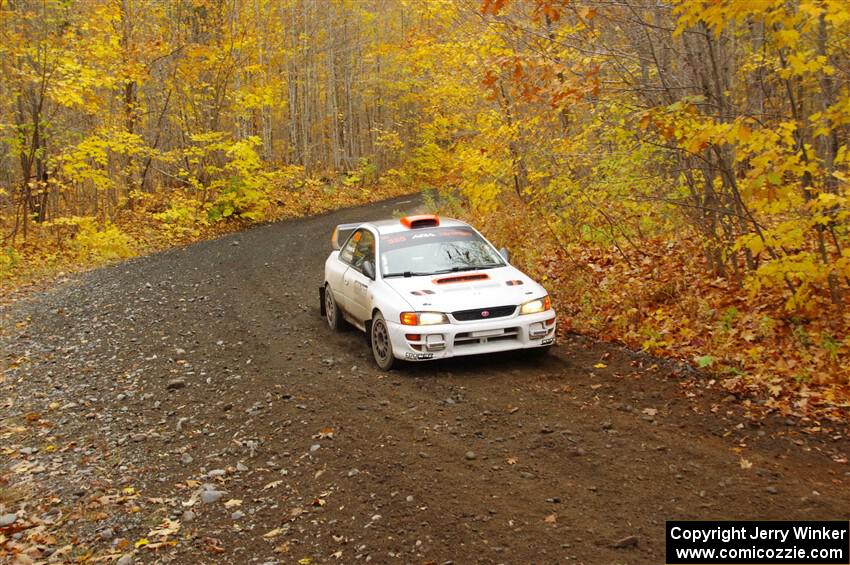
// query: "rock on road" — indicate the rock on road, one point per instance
point(195, 396)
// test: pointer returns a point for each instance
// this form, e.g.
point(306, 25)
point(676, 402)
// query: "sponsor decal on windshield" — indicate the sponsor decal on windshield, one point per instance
point(396, 240)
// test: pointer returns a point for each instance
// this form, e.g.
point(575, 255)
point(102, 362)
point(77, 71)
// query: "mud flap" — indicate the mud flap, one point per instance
point(322, 300)
point(368, 325)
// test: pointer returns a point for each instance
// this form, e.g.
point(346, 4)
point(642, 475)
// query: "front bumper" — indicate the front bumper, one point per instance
point(471, 338)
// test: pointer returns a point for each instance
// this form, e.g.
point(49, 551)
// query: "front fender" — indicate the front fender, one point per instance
point(388, 302)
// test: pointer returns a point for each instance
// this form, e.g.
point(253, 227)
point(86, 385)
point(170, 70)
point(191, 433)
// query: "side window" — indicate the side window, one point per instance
point(346, 254)
point(364, 251)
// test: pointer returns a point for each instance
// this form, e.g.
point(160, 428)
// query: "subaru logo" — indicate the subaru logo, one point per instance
point(485, 313)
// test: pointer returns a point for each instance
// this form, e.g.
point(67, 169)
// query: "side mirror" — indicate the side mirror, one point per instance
point(506, 255)
point(369, 269)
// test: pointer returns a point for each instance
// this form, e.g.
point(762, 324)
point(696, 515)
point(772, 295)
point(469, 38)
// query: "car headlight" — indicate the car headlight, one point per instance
point(423, 318)
point(537, 305)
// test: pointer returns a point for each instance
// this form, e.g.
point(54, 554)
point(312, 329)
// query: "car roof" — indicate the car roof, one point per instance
point(395, 225)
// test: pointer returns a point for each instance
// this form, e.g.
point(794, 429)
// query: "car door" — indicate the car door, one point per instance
point(355, 282)
point(336, 272)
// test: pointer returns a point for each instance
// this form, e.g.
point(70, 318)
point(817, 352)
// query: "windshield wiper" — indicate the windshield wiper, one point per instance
point(474, 267)
point(468, 268)
point(407, 274)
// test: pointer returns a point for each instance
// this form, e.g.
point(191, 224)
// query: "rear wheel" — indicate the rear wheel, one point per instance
point(379, 339)
point(332, 312)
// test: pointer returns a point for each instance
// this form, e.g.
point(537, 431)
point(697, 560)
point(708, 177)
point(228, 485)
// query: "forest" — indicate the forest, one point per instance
point(675, 172)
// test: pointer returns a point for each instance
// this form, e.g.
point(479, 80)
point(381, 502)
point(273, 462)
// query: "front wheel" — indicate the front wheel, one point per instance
point(332, 312)
point(379, 339)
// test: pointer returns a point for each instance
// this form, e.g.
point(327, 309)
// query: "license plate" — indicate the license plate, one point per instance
point(487, 333)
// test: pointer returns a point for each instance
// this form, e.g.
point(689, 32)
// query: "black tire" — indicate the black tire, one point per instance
point(333, 314)
point(379, 341)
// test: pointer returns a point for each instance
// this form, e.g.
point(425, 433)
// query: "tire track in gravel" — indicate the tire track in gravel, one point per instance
point(209, 365)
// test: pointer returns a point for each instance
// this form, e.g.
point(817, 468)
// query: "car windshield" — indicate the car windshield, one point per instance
point(436, 250)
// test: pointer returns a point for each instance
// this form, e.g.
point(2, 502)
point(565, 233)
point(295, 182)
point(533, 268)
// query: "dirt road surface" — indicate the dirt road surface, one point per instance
point(197, 397)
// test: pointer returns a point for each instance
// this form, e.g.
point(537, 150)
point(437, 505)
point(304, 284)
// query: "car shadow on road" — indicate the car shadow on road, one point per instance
point(485, 365)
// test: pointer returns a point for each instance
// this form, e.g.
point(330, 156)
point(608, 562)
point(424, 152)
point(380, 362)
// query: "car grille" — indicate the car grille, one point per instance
point(479, 313)
point(467, 339)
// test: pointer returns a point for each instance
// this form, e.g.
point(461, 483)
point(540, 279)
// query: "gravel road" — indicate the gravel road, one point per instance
point(194, 404)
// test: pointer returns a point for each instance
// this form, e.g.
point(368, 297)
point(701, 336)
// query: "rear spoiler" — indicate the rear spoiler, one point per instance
point(341, 233)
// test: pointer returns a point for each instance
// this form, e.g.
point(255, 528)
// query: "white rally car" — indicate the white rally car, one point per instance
point(425, 287)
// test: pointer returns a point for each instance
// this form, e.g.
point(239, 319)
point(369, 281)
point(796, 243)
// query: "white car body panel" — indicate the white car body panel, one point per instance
point(360, 297)
point(466, 295)
point(459, 338)
point(334, 270)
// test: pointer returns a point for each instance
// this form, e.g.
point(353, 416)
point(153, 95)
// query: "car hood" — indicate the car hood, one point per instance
point(466, 290)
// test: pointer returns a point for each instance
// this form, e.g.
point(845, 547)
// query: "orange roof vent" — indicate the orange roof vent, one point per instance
point(420, 221)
